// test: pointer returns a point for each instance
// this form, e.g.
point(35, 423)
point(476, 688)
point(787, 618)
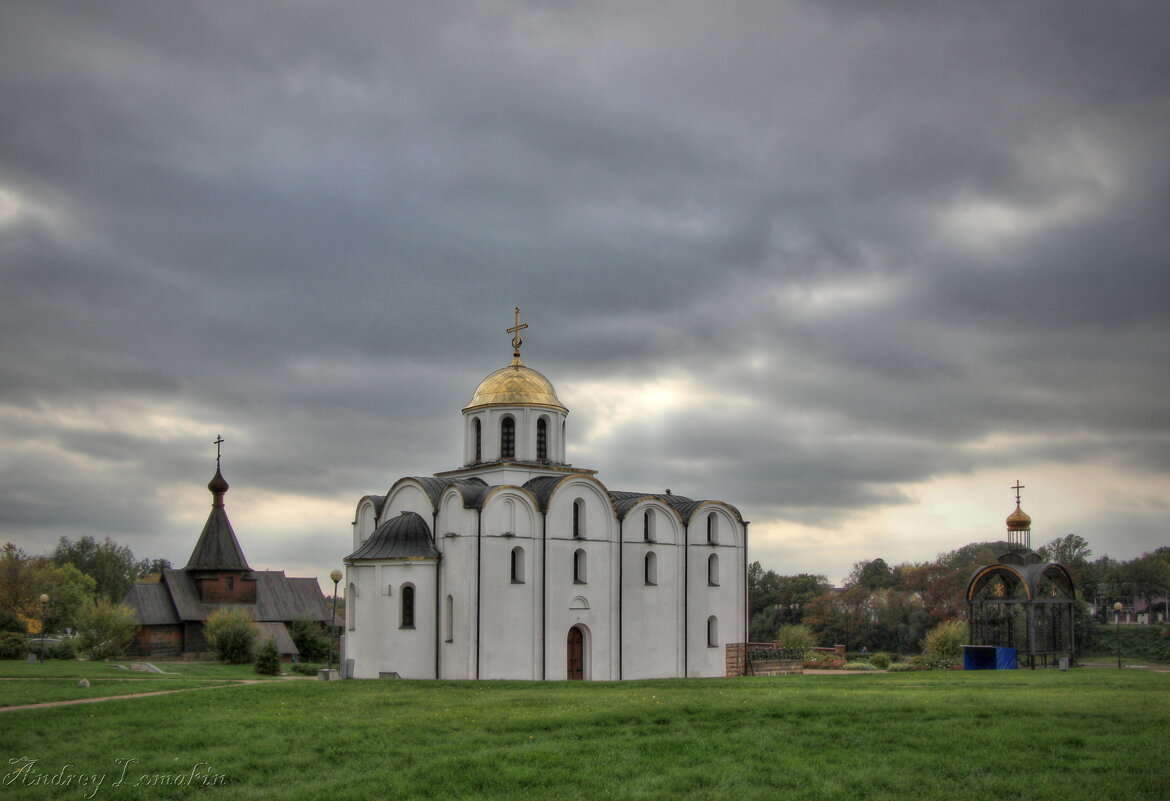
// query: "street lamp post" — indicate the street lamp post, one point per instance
point(44, 599)
point(336, 576)
point(1117, 613)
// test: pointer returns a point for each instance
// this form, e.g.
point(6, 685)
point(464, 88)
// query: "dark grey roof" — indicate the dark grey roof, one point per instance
point(376, 500)
point(217, 548)
point(152, 604)
point(542, 488)
point(278, 633)
point(686, 507)
point(278, 597)
point(472, 489)
point(624, 501)
point(407, 535)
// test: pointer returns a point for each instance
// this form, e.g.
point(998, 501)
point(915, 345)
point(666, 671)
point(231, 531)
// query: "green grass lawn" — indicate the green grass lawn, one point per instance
point(1084, 734)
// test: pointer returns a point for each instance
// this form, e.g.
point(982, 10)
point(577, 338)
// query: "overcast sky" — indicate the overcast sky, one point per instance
point(852, 267)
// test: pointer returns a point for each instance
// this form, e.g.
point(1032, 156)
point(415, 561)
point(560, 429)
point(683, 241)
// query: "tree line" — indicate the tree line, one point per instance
point(891, 608)
point(75, 576)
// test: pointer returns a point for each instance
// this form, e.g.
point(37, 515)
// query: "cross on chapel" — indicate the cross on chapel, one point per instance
point(218, 441)
point(1017, 488)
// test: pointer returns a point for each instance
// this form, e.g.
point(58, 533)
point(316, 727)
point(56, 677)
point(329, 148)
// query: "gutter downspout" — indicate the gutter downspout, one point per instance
point(544, 595)
point(686, 560)
point(438, 595)
point(743, 578)
point(621, 595)
point(478, 579)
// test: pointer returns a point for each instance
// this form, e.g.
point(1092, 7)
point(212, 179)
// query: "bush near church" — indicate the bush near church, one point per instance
point(943, 645)
point(309, 637)
point(796, 637)
point(268, 660)
point(232, 635)
point(12, 645)
point(105, 630)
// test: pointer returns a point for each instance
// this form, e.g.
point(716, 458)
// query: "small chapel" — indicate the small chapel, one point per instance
point(518, 565)
point(1022, 606)
point(171, 611)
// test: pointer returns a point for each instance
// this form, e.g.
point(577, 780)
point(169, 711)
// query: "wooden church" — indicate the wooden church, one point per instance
point(217, 576)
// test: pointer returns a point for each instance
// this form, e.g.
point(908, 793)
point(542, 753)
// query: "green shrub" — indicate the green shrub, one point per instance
point(12, 645)
point(268, 660)
point(306, 668)
point(858, 666)
point(796, 637)
point(10, 622)
point(904, 667)
point(232, 635)
point(64, 649)
point(943, 645)
point(310, 639)
point(880, 661)
point(105, 630)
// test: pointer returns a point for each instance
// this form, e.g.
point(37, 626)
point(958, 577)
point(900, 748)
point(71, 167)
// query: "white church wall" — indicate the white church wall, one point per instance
point(407, 496)
point(651, 614)
point(509, 612)
point(408, 650)
point(457, 618)
point(365, 521)
point(597, 587)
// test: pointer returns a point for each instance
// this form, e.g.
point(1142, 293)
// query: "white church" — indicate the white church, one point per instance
point(518, 565)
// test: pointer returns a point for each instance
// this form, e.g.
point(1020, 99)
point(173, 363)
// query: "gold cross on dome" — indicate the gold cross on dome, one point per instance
point(515, 331)
point(1017, 488)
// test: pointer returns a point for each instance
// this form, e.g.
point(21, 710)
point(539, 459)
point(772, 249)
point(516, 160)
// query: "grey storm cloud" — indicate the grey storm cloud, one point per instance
point(894, 231)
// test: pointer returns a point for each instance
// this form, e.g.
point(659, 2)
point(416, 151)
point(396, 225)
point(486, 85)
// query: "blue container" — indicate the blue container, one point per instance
point(988, 657)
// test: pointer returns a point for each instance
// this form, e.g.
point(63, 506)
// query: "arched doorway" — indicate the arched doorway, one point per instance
point(576, 653)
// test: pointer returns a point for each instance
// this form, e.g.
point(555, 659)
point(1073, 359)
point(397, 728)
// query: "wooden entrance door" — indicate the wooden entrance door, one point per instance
point(576, 653)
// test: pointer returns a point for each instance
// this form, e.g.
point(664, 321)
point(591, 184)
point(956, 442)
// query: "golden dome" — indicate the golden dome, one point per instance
point(515, 385)
point(1018, 520)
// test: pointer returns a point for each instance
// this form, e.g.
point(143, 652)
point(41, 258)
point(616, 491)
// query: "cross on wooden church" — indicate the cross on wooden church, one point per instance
point(515, 331)
point(218, 441)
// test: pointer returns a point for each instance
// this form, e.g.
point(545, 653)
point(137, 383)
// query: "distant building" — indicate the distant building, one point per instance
point(518, 565)
point(217, 576)
point(1021, 601)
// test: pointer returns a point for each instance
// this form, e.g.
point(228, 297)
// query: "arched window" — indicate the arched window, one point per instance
point(651, 569)
point(579, 567)
point(449, 620)
point(648, 525)
point(713, 570)
point(351, 607)
point(712, 529)
point(542, 440)
point(478, 440)
point(712, 632)
point(578, 518)
point(507, 438)
point(517, 565)
point(407, 606)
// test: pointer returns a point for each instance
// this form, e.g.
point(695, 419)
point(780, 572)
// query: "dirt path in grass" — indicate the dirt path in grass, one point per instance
point(131, 695)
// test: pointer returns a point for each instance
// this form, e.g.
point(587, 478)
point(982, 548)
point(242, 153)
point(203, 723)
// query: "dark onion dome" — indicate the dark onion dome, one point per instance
point(1018, 520)
point(218, 484)
point(217, 547)
point(403, 537)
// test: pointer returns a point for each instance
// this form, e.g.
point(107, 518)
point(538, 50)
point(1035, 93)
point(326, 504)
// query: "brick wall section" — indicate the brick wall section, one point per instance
point(159, 642)
point(736, 658)
point(228, 588)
